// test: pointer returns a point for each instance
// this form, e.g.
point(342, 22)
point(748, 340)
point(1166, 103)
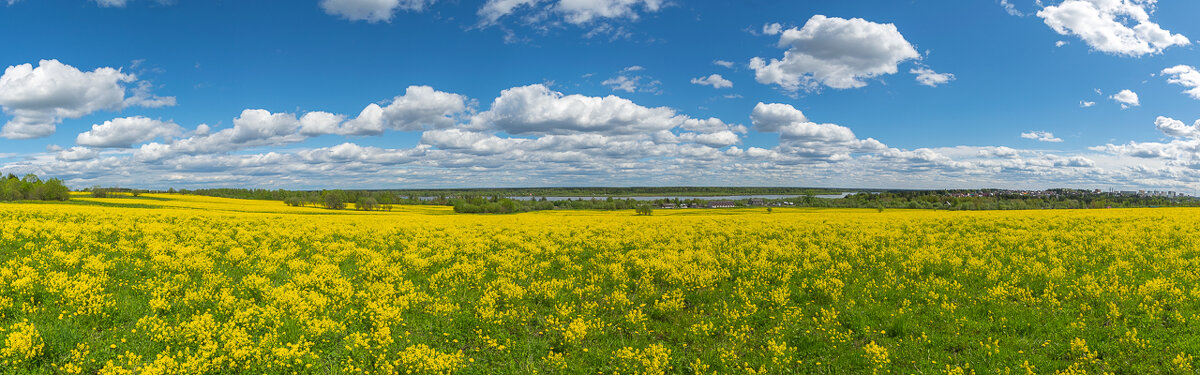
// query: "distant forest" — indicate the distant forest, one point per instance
point(32, 188)
point(499, 201)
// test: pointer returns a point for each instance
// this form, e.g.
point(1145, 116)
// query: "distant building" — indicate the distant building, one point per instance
point(721, 204)
point(668, 205)
point(757, 202)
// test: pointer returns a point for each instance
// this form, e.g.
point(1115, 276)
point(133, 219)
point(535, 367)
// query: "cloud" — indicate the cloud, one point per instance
point(115, 3)
point(38, 99)
point(770, 118)
point(1011, 9)
point(632, 83)
point(1185, 76)
point(77, 154)
point(1176, 128)
point(1086, 104)
point(1182, 151)
point(531, 135)
point(421, 107)
point(772, 29)
point(928, 77)
point(127, 131)
point(834, 52)
point(535, 109)
point(350, 152)
point(715, 80)
point(1120, 27)
point(1127, 99)
point(576, 12)
point(253, 128)
point(727, 64)
point(808, 140)
point(371, 10)
point(1041, 136)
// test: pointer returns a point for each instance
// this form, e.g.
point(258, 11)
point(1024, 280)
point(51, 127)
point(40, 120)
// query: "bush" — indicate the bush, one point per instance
point(645, 209)
point(293, 201)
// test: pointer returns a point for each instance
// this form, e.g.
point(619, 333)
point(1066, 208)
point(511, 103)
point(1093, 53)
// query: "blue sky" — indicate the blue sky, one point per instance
point(434, 93)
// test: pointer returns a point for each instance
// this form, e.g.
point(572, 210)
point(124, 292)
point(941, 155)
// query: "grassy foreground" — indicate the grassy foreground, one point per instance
point(185, 284)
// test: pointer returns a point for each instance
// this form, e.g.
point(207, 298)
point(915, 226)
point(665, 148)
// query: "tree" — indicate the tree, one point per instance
point(367, 204)
point(99, 192)
point(645, 209)
point(54, 190)
point(334, 201)
point(293, 201)
point(769, 210)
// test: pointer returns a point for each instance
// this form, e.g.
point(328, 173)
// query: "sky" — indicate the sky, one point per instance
point(392, 94)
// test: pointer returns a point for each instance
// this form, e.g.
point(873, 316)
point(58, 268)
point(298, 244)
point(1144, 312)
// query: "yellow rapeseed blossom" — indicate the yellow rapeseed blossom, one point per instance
point(176, 284)
point(23, 344)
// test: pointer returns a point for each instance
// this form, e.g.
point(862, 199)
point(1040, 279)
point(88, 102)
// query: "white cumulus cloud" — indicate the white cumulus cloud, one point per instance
point(804, 139)
point(1121, 27)
point(127, 131)
point(421, 107)
point(77, 154)
point(38, 98)
point(1176, 128)
point(1185, 76)
point(1041, 136)
point(834, 52)
point(535, 109)
point(772, 29)
point(1127, 98)
point(715, 80)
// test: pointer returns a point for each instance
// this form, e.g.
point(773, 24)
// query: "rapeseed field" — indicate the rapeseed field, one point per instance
point(167, 284)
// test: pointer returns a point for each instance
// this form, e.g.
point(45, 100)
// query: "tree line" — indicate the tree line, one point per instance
point(504, 205)
point(478, 201)
point(32, 188)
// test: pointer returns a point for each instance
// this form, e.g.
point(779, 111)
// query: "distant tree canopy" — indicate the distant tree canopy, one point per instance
point(32, 188)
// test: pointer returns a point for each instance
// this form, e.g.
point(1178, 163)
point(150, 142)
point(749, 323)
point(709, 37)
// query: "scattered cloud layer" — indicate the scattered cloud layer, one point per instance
point(834, 52)
point(598, 17)
point(1120, 27)
point(532, 135)
point(628, 81)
